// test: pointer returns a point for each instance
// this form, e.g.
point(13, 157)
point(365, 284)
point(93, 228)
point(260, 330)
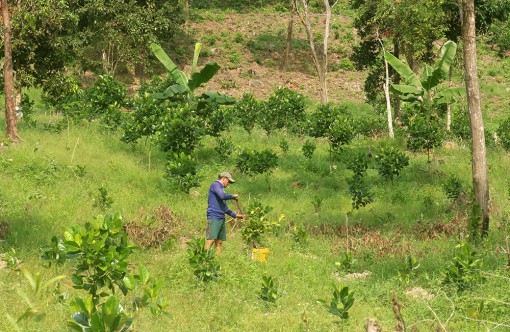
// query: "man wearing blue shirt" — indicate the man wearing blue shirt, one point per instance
point(216, 210)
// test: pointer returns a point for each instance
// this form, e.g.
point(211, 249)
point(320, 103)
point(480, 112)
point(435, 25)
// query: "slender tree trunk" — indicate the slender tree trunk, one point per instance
point(320, 61)
point(479, 160)
point(386, 87)
point(289, 35)
point(448, 107)
point(10, 111)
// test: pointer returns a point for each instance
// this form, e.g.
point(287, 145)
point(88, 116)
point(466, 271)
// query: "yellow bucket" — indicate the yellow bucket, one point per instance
point(260, 254)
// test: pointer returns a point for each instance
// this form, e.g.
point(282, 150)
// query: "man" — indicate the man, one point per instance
point(216, 210)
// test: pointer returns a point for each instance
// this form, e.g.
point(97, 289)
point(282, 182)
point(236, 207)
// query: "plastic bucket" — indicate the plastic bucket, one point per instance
point(260, 254)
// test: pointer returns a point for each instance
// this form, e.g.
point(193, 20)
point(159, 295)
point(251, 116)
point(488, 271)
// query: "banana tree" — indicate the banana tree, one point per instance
point(425, 91)
point(188, 85)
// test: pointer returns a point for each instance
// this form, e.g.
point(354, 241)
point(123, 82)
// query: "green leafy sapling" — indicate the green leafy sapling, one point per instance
point(342, 301)
point(269, 290)
point(202, 261)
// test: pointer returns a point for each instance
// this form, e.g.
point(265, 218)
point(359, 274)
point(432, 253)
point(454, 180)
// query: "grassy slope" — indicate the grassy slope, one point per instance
point(42, 192)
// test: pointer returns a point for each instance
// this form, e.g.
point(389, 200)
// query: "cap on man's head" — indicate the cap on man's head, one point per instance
point(228, 176)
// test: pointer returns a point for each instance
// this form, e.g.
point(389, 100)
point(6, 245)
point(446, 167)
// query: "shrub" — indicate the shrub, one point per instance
point(268, 290)
point(100, 249)
point(453, 187)
point(342, 301)
point(299, 235)
point(308, 149)
point(500, 36)
point(180, 131)
point(460, 125)
point(224, 147)
point(182, 170)
point(61, 89)
point(202, 261)
point(320, 121)
point(360, 194)
point(255, 228)
point(247, 111)
point(358, 163)
point(27, 109)
point(346, 264)
point(464, 269)
point(341, 132)
point(285, 109)
point(390, 162)
point(104, 100)
point(253, 162)
point(146, 120)
point(103, 199)
point(408, 269)
point(424, 134)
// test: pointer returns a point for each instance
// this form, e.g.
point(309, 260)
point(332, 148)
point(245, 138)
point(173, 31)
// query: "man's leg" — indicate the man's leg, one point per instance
point(209, 243)
point(219, 244)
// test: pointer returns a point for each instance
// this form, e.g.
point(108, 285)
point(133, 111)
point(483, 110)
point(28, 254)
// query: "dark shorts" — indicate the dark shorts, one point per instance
point(216, 229)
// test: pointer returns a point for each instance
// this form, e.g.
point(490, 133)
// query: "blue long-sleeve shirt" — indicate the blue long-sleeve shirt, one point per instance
point(217, 205)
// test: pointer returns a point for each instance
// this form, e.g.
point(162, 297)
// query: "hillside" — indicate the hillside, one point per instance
point(250, 52)
point(387, 225)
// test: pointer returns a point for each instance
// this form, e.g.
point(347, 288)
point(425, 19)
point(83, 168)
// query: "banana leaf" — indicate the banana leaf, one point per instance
point(448, 95)
point(176, 74)
point(407, 73)
point(203, 76)
point(442, 67)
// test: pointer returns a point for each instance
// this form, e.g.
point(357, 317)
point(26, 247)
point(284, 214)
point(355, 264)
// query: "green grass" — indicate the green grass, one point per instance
point(51, 180)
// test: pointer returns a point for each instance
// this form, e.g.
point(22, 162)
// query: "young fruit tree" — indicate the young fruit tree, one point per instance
point(479, 159)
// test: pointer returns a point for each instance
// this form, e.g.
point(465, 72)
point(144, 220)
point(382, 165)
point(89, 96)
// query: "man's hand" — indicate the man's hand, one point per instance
point(236, 196)
point(240, 216)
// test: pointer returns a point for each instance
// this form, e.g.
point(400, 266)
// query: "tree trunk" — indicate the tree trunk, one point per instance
point(320, 61)
point(10, 112)
point(448, 107)
point(289, 35)
point(386, 87)
point(479, 160)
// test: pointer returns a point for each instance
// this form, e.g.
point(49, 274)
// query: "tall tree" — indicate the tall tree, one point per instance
point(10, 113)
point(479, 158)
point(319, 55)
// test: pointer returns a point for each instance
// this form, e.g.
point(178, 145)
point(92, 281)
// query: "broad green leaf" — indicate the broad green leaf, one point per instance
point(442, 67)
point(129, 281)
point(216, 97)
point(144, 274)
point(406, 89)
point(95, 323)
point(80, 318)
point(407, 73)
point(178, 76)
point(196, 54)
point(110, 310)
point(202, 77)
point(68, 236)
point(427, 72)
point(448, 95)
